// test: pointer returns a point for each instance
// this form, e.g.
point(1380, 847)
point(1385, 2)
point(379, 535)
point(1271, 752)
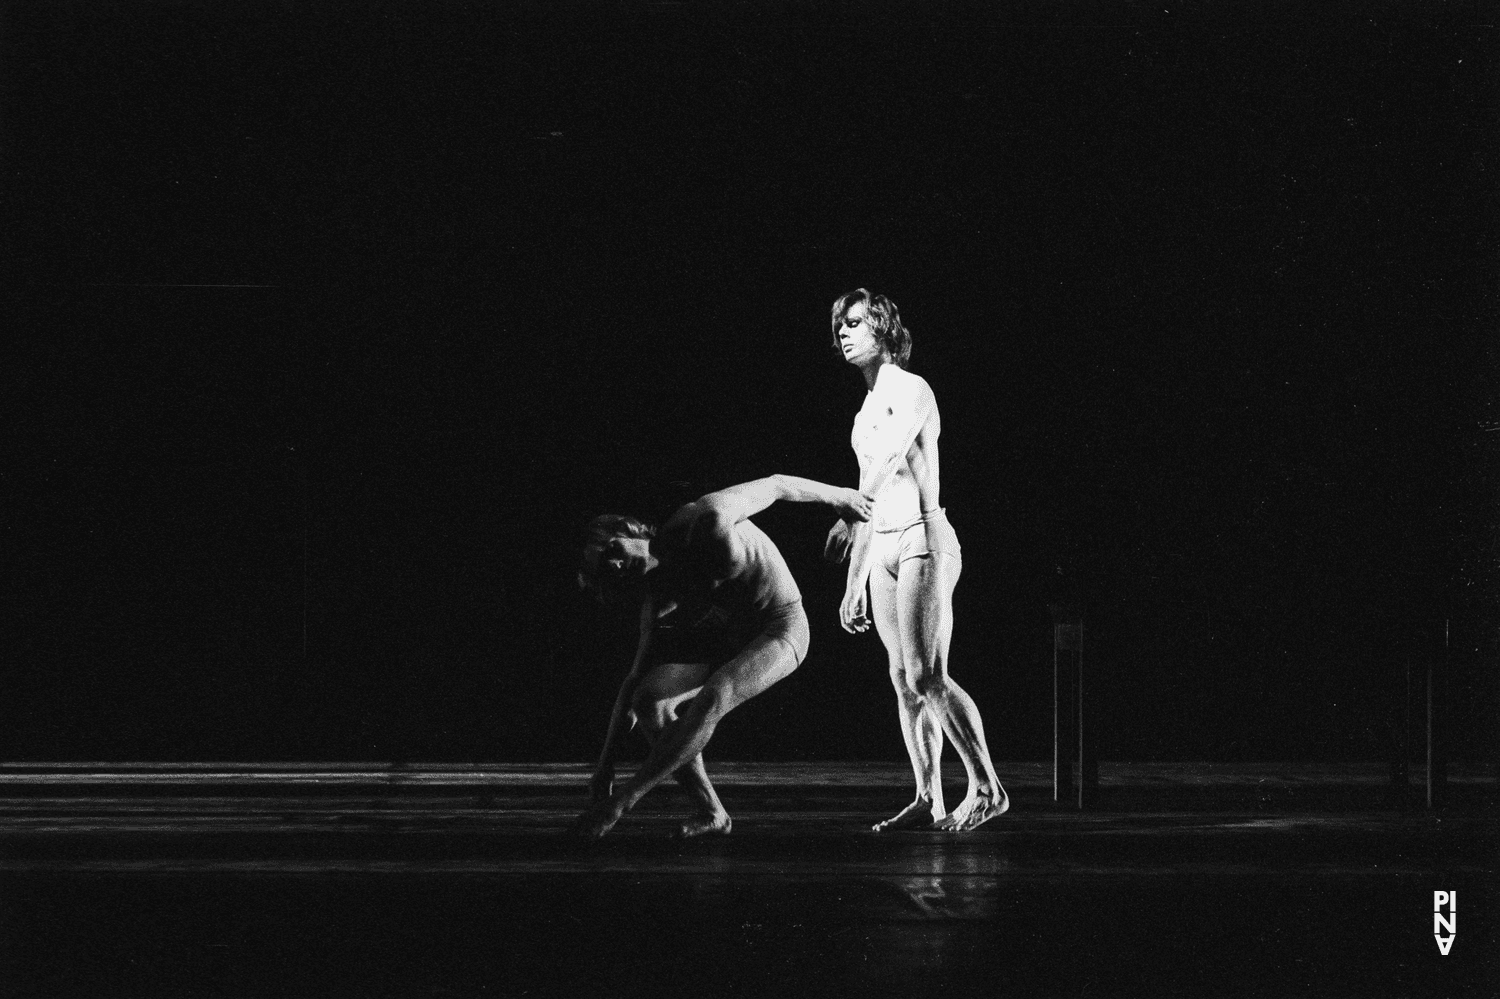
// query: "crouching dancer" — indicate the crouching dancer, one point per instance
point(721, 620)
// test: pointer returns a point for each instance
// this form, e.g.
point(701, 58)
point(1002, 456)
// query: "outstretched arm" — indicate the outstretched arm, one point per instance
point(621, 721)
point(714, 516)
point(737, 503)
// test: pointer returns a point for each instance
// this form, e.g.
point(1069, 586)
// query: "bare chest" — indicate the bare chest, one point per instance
point(873, 425)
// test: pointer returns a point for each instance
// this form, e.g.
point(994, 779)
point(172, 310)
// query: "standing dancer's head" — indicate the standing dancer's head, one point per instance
point(868, 327)
point(616, 557)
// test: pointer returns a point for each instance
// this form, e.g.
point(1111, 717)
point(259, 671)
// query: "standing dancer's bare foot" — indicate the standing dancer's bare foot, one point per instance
point(974, 811)
point(716, 824)
point(920, 814)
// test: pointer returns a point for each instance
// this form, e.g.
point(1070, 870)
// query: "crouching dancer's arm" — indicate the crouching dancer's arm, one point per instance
point(707, 523)
point(737, 503)
point(621, 718)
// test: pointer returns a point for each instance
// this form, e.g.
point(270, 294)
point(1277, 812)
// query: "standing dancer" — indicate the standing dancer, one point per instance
point(910, 558)
point(721, 621)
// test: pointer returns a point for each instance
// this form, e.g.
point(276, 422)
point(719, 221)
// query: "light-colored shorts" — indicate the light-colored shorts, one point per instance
point(928, 535)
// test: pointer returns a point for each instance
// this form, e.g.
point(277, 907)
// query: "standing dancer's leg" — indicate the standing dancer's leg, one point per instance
point(919, 728)
point(924, 611)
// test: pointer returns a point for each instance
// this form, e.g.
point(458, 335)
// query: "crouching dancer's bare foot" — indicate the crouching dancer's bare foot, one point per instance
point(920, 814)
point(974, 811)
point(706, 824)
point(596, 820)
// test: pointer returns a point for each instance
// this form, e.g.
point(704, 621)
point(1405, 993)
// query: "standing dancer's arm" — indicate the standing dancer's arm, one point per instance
point(621, 718)
point(853, 612)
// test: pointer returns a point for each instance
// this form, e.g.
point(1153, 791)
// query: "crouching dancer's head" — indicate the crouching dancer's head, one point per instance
point(616, 557)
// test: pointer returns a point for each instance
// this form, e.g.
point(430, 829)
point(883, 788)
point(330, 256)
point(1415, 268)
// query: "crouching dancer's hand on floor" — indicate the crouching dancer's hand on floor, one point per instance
point(596, 820)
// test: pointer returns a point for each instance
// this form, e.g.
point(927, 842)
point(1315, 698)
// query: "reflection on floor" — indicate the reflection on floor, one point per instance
point(314, 879)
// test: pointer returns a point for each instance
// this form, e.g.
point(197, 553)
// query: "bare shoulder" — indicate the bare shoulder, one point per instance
point(677, 533)
point(699, 537)
point(903, 382)
point(912, 390)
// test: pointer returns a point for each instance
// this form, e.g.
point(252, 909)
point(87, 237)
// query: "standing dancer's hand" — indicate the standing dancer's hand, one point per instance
point(852, 612)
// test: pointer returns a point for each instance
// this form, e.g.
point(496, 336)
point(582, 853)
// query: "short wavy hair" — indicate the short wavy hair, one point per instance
point(884, 317)
point(597, 535)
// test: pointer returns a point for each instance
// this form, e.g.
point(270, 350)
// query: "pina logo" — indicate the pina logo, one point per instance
point(1445, 919)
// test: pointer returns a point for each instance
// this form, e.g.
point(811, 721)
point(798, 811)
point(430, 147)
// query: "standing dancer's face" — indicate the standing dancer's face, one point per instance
point(857, 337)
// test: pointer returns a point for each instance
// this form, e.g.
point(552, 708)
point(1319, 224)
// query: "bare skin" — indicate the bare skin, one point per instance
point(703, 546)
point(657, 701)
point(897, 444)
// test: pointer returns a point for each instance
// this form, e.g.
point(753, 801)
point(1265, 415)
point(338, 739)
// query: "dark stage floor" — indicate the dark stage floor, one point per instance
point(447, 880)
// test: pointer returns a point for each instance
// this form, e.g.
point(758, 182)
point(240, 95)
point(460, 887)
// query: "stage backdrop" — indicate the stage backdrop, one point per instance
point(336, 323)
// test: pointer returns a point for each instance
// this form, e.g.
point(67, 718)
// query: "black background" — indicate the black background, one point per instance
point(337, 322)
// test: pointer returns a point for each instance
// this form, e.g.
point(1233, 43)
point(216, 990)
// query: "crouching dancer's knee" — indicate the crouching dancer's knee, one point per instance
point(712, 703)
